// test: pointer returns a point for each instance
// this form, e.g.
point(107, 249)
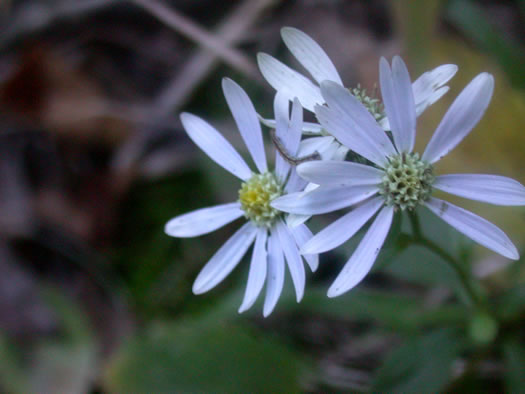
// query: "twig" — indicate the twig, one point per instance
point(194, 32)
point(200, 64)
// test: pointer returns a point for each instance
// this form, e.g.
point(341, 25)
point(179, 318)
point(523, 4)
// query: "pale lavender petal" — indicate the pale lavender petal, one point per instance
point(493, 189)
point(310, 55)
point(225, 259)
point(203, 221)
point(323, 199)
point(429, 87)
point(339, 173)
point(352, 124)
point(396, 90)
point(281, 106)
point(365, 255)
point(275, 276)
point(343, 228)
point(478, 229)
point(257, 274)
point(302, 234)
point(293, 259)
point(282, 77)
point(215, 145)
point(464, 113)
point(245, 116)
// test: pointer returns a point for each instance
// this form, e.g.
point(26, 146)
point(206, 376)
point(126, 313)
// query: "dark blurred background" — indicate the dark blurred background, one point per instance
point(95, 298)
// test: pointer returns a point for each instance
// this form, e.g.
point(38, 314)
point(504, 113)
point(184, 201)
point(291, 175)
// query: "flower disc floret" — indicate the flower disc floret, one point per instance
point(371, 103)
point(255, 197)
point(407, 181)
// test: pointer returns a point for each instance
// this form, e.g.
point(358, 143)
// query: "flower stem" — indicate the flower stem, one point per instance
point(475, 297)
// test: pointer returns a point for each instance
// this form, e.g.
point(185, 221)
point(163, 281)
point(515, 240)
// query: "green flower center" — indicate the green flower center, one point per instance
point(255, 197)
point(407, 181)
point(371, 103)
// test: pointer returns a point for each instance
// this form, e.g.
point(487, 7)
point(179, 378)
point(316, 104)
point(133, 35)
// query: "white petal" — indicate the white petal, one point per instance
point(343, 228)
point(225, 259)
point(293, 220)
point(310, 55)
point(245, 116)
point(215, 145)
point(494, 189)
point(314, 144)
point(364, 256)
point(275, 277)
point(396, 90)
point(339, 173)
point(308, 128)
point(474, 227)
point(295, 183)
point(281, 106)
point(257, 273)
point(323, 199)
point(282, 77)
point(464, 113)
point(302, 234)
point(203, 221)
point(293, 259)
point(428, 88)
point(351, 123)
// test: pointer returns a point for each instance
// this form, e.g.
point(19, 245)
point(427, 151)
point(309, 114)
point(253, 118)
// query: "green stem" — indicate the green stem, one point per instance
point(463, 276)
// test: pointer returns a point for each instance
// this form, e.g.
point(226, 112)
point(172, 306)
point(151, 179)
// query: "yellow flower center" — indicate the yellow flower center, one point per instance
point(255, 197)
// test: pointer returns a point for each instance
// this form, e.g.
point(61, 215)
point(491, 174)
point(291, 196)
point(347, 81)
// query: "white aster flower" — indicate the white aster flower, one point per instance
point(275, 243)
point(401, 179)
point(427, 89)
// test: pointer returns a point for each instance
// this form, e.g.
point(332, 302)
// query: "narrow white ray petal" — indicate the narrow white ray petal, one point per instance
point(310, 55)
point(282, 77)
point(302, 234)
point(275, 276)
point(323, 199)
point(215, 145)
point(464, 113)
point(308, 128)
point(293, 220)
point(364, 256)
point(340, 153)
point(427, 86)
point(478, 229)
point(293, 259)
point(257, 274)
point(396, 90)
point(493, 189)
point(203, 221)
point(314, 144)
point(346, 130)
point(295, 183)
point(339, 173)
point(281, 106)
point(431, 99)
point(359, 118)
point(296, 124)
point(245, 116)
point(343, 228)
point(225, 259)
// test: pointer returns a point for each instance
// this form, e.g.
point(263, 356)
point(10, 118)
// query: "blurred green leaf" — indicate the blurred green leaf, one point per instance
point(398, 312)
point(514, 353)
point(200, 356)
point(511, 304)
point(421, 365)
point(66, 364)
point(471, 20)
point(12, 374)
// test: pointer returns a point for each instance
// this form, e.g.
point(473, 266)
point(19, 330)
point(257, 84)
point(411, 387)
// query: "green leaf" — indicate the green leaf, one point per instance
point(421, 365)
point(514, 354)
point(200, 356)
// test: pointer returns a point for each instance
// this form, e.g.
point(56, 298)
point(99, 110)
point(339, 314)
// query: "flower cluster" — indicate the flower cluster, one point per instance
point(359, 156)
